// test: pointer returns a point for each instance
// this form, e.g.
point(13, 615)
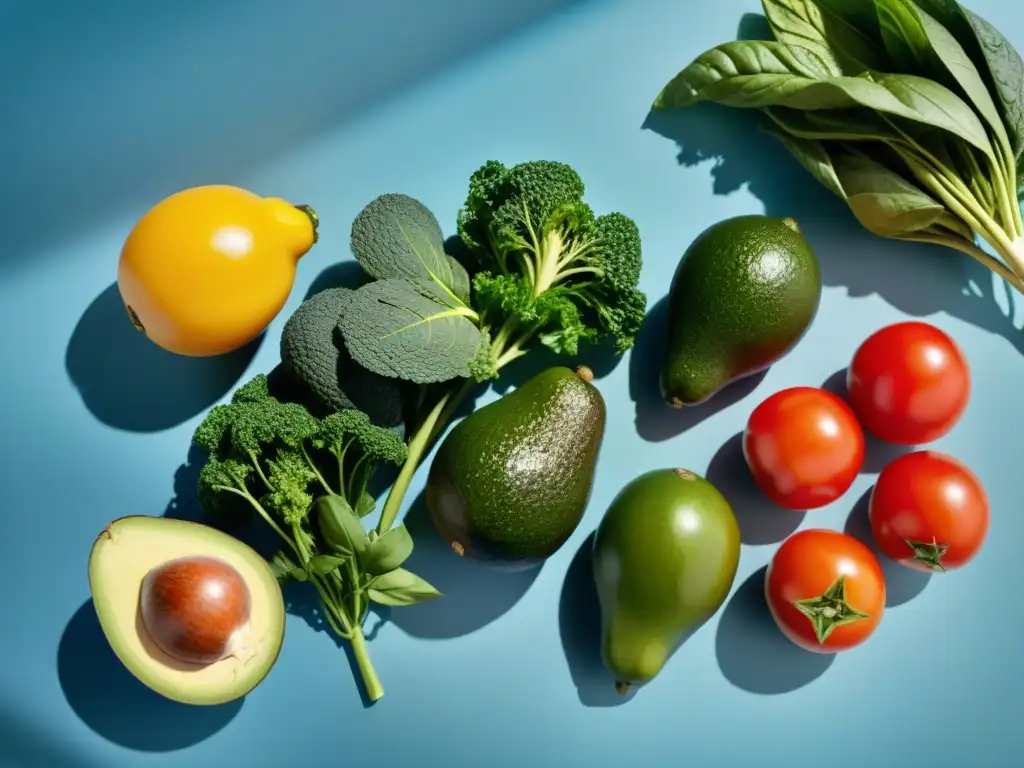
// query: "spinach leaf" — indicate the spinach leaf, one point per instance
point(959, 65)
point(750, 73)
point(757, 74)
point(410, 330)
point(799, 22)
point(859, 16)
point(904, 39)
point(813, 156)
point(397, 236)
point(834, 124)
point(884, 202)
point(995, 57)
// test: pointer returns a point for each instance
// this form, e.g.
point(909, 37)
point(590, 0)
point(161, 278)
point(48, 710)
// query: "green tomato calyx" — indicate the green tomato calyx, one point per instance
point(928, 554)
point(829, 610)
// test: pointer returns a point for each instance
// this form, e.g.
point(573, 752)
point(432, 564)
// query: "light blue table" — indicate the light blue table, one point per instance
point(109, 106)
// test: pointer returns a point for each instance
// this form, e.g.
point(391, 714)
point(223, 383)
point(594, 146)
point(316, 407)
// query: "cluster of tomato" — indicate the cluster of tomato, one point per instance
point(907, 384)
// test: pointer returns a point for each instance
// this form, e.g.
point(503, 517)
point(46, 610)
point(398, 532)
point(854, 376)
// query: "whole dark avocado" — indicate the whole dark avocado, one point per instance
point(743, 295)
point(510, 482)
point(665, 556)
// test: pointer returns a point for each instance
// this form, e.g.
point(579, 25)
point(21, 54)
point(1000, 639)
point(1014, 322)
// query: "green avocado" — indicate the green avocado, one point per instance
point(743, 295)
point(131, 549)
point(664, 559)
point(511, 481)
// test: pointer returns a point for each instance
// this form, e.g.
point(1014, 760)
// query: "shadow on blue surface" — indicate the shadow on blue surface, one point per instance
point(213, 88)
point(579, 624)
point(128, 382)
point(108, 699)
point(902, 584)
point(474, 594)
point(656, 421)
point(915, 278)
point(761, 521)
point(877, 453)
point(752, 652)
point(343, 274)
point(24, 743)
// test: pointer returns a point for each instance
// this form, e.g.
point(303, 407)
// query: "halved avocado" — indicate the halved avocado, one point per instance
point(120, 559)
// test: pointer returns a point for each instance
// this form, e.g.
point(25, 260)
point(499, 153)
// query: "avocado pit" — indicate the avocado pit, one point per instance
point(195, 609)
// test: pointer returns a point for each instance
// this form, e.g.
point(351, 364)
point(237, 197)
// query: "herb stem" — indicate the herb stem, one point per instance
point(316, 470)
point(417, 449)
point(374, 689)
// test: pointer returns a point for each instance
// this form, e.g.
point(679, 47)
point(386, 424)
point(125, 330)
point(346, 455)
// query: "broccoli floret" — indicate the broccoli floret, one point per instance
point(274, 454)
point(546, 262)
point(358, 447)
point(314, 355)
point(255, 390)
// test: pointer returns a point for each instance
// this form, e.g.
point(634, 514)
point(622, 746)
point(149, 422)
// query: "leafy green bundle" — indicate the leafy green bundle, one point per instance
point(910, 112)
point(536, 266)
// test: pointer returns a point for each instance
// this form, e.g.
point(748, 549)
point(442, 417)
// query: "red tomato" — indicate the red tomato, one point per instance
point(929, 512)
point(825, 590)
point(908, 383)
point(804, 447)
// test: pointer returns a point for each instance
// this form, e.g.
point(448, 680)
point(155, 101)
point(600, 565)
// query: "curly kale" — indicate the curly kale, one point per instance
point(546, 263)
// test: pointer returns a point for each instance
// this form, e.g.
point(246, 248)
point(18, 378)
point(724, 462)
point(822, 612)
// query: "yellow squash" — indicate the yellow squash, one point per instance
point(207, 269)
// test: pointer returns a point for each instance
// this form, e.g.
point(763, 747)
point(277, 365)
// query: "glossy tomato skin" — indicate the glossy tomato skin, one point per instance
point(934, 501)
point(805, 566)
point(804, 447)
point(909, 383)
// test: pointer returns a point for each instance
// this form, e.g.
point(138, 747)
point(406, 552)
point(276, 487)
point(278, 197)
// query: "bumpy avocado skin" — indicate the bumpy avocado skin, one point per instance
point(314, 354)
point(743, 295)
point(510, 483)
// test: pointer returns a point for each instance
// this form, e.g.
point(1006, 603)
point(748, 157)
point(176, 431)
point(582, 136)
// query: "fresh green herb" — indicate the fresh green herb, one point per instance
point(304, 476)
point(546, 271)
point(912, 113)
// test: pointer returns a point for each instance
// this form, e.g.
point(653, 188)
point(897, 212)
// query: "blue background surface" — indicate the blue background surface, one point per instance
point(109, 106)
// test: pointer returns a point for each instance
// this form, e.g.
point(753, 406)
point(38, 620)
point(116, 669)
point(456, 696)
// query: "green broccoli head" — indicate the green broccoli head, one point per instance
point(290, 476)
point(353, 430)
point(256, 390)
point(511, 209)
point(547, 262)
point(314, 355)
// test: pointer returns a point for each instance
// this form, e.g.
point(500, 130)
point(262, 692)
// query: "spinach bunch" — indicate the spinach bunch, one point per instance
point(912, 112)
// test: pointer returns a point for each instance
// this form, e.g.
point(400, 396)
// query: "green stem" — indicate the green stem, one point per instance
point(374, 689)
point(316, 471)
point(975, 253)
point(353, 473)
point(1005, 208)
point(259, 470)
point(353, 572)
point(417, 449)
point(341, 464)
point(262, 513)
point(959, 203)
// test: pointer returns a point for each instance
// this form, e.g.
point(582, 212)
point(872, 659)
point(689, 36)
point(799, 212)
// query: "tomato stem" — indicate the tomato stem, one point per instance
point(829, 610)
point(929, 554)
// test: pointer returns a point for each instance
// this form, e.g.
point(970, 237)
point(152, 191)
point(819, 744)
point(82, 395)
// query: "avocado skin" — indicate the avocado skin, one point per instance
point(511, 481)
point(743, 295)
point(664, 559)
